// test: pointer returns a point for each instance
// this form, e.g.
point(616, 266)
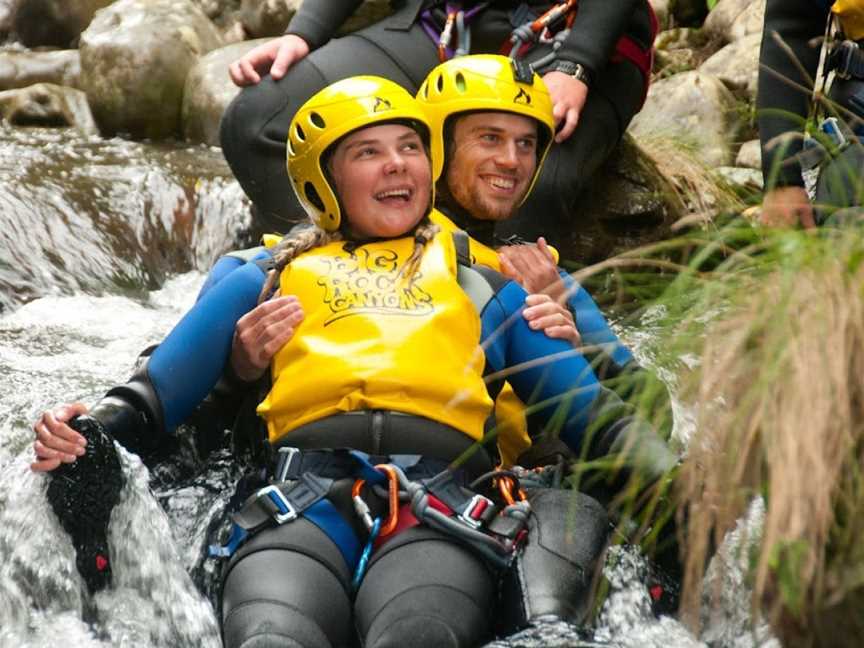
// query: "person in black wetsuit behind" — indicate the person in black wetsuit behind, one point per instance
point(789, 59)
point(597, 81)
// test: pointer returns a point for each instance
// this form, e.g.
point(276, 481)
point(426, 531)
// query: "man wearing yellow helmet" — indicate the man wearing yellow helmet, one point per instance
point(594, 55)
point(387, 301)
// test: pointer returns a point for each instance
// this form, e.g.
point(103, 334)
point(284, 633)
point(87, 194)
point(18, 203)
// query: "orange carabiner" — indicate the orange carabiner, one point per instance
point(393, 480)
point(446, 35)
point(505, 487)
point(564, 9)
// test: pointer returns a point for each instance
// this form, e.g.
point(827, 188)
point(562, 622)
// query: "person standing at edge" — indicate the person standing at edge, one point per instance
point(596, 64)
point(789, 62)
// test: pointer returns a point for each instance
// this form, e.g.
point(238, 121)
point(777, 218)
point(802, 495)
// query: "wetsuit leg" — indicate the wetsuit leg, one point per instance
point(553, 575)
point(255, 124)
point(552, 208)
point(287, 587)
point(425, 590)
point(840, 185)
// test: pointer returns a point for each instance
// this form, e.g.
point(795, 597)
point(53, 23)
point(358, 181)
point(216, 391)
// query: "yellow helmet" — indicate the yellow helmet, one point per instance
point(485, 82)
point(332, 113)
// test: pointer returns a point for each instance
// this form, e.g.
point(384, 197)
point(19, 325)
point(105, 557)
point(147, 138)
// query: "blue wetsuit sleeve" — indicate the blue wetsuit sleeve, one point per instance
point(548, 374)
point(591, 324)
point(223, 266)
point(189, 362)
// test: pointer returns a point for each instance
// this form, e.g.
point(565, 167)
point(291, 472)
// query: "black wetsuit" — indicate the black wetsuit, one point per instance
point(254, 125)
point(783, 100)
point(783, 103)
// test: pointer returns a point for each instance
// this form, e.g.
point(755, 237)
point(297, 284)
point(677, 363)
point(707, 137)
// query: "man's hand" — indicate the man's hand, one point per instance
point(556, 321)
point(278, 55)
point(56, 442)
point(568, 98)
point(261, 333)
point(534, 268)
point(786, 207)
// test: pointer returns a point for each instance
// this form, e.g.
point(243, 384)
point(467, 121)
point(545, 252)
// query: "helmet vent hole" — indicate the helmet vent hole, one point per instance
point(300, 134)
point(317, 120)
point(290, 147)
point(439, 83)
point(461, 86)
point(425, 90)
point(312, 196)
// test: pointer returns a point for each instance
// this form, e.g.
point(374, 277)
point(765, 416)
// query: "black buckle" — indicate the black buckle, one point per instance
point(522, 71)
point(843, 59)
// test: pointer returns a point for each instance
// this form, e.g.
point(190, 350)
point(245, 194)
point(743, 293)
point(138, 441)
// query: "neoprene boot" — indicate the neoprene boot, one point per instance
point(83, 495)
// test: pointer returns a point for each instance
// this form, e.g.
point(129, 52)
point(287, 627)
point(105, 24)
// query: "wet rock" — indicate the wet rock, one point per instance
point(731, 20)
point(134, 60)
point(696, 109)
point(749, 155)
point(45, 104)
point(737, 65)
point(630, 203)
point(57, 23)
point(21, 69)
point(208, 92)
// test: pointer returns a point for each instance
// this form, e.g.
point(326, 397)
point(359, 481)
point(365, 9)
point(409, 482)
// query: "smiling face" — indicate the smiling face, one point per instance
point(492, 159)
point(383, 179)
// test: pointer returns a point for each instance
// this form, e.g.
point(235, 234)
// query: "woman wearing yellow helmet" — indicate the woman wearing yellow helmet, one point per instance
point(396, 343)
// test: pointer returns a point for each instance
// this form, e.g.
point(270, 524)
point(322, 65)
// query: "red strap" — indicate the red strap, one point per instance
point(629, 50)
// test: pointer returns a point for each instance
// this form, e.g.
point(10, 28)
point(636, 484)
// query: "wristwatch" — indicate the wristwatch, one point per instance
point(576, 70)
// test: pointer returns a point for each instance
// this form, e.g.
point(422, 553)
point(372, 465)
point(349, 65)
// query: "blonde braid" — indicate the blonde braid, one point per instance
point(288, 249)
point(423, 234)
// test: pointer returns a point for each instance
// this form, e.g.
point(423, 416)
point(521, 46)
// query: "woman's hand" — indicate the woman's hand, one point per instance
point(556, 321)
point(534, 268)
point(261, 333)
point(278, 55)
point(568, 96)
point(56, 442)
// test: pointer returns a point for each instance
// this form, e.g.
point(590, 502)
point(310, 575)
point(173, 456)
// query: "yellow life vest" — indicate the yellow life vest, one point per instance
point(850, 14)
point(511, 426)
point(374, 339)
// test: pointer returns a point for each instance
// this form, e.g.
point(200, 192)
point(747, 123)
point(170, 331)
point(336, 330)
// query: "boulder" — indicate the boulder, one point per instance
point(46, 104)
point(630, 203)
point(135, 57)
point(749, 155)
point(695, 109)
point(267, 18)
point(209, 90)
point(734, 19)
point(57, 23)
point(737, 65)
point(21, 69)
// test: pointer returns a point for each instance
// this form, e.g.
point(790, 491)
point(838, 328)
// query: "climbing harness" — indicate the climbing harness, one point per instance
point(551, 28)
point(440, 502)
point(457, 20)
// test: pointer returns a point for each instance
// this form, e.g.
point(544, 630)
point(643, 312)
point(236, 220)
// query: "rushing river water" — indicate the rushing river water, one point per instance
point(102, 247)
